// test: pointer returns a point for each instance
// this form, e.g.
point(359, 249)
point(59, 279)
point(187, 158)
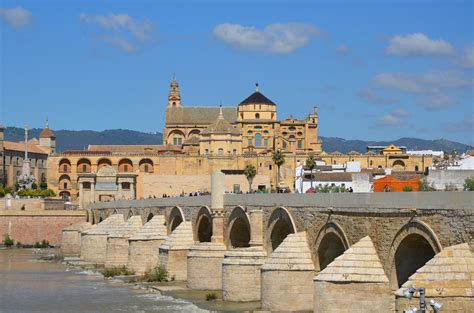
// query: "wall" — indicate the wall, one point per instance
point(441, 178)
point(31, 204)
point(35, 226)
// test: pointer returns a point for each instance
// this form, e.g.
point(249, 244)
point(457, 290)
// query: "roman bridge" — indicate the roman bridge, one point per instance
point(405, 230)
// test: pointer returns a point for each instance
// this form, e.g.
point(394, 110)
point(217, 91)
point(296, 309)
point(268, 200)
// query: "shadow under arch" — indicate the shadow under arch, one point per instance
point(330, 243)
point(203, 226)
point(175, 218)
point(130, 214)
point(280, 225)
point(238, 229)
point(149, 217)
point(413, 245)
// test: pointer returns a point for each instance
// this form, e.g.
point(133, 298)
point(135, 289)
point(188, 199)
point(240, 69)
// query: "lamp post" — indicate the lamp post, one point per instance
point(421, 291)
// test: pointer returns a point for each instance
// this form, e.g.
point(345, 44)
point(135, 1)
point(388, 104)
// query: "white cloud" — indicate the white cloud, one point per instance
point(429, 82)
point(120, 30)
point(16, 17)
point(437, 101)
point(400, 112)
point(418, 44)
point(274, 38)
point(467, 58)
point(343, 49)
point(465, 125)
point(389, 120)
point(368, 94)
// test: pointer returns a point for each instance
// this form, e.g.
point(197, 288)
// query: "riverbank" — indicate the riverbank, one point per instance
point(174, 289)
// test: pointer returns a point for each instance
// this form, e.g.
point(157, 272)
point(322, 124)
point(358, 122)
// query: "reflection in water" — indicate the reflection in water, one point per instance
point(29, 285)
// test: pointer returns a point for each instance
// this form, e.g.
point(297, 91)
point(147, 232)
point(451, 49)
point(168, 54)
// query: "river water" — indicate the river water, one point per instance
point(29, 285)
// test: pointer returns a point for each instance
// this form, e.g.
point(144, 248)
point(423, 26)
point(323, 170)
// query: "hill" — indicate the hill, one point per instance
point(79, 140)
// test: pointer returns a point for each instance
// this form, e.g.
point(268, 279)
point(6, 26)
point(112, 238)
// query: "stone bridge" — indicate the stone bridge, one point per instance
point(269, 247)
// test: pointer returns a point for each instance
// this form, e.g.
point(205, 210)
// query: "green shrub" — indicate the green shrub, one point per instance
point(45, 244)
point(18, 244)
point(117, 271)
point(43, 186)
point(469, 184)
point(211, 296)
point(7, 241)
point(38, 193)
point(2, 193)
point(34, 186)
point(407, 188)
point(159, 273)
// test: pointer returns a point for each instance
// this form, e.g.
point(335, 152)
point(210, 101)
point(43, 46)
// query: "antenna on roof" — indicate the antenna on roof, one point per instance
point(256, 87)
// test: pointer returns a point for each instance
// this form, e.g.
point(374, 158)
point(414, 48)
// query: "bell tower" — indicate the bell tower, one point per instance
point(174, 99)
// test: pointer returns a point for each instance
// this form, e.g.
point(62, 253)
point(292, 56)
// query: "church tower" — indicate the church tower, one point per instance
point(47, 139)
point(174, 99)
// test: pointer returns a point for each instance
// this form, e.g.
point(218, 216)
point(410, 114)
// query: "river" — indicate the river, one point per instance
point(30, 285)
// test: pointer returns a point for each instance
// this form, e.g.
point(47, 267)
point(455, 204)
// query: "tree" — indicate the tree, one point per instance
point(311, 164)
point(250, 172)
point(279, 159)
point(469, 184)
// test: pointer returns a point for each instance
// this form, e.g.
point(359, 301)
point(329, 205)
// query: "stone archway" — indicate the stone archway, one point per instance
point(238, 229)
point(176, 217)
point(330, 243)
point(203, 227)
point(413, 246)
point(149, 217)
point(280, 225)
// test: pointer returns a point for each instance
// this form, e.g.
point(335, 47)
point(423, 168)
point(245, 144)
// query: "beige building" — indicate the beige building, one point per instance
point(199, 141)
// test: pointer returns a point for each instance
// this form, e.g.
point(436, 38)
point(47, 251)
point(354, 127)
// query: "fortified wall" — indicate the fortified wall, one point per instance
point(291, 251)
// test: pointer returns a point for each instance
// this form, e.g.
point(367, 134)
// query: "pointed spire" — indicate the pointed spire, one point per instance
point(46, 125)
point(256, 87)
point(221, 116)
point(174, 98)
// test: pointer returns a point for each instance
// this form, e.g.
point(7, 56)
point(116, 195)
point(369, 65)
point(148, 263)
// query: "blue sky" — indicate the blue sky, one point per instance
point(377, 70)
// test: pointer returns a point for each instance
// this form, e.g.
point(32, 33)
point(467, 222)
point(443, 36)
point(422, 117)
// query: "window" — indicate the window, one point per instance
point(250, 141)
point(84, 168)
point(284, 133)
point(257, 116)
point(300, 134)
point(125, 168)
point(145, 168)
point(258, 127)
point(174, 103)
point(177, 141)
point(220, 151)
point(206, 152)
point(265, 142)
point(416, 168)
point(270, 167)
point(300, 144)
point(284, 145)
point(292, 129)
point(86, 185)
point(258, 140)
point(65, 168)
point(250, 132)
point(371, 162)
point(234, 152)
point(65, 185)
point(126, 186)
point(265, 132)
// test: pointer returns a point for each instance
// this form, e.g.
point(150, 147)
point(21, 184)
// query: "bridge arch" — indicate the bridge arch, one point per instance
point(149, 217)
point(175, 218)
point(280, 225)
point(203, 226)
point(330, 243)
point(413, 245)
point(130, 214)
point(238, 229)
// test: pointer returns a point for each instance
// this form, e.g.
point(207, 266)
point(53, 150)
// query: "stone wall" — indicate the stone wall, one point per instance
point(442, 179)
point(29, 227)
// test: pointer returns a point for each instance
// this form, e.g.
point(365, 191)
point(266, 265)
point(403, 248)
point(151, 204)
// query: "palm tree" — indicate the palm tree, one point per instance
point(250, 172)
point(311, 164)
point(278, 158)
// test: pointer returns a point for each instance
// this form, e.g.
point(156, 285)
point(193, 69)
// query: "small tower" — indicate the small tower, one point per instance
point(47, 139)
point(174, 99)
point(2, 129)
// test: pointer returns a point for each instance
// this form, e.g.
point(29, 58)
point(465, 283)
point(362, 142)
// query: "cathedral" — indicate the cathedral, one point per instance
point(251, 127)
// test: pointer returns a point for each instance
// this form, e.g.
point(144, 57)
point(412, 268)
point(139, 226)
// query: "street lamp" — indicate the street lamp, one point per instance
point(408, 293)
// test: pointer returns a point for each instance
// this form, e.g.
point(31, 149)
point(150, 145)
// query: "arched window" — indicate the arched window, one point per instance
point(220, 151)
point(146, 166)
point(125, 165)
point(83, 166)
point(64, 166)
point(258, 140)
point(257, 116)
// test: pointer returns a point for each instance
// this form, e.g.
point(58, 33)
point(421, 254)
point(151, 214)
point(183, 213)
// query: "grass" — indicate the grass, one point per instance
point(117, 271)
point(211, 296)
point(158, 274)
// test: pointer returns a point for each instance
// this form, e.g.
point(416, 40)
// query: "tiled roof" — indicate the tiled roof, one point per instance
point(359, 263)
point(257, 98)
point(292, 254)
point(198, 115)
point(47, 133)
point(20, 146)
point(450, 273)
point(221, 126)
point(126, 148)
point(341, 176)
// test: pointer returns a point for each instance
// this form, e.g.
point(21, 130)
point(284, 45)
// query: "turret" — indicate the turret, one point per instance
point(47, 139)
point(174, 99)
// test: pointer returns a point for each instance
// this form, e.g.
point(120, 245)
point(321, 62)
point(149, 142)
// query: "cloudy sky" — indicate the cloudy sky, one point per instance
point(377, 69)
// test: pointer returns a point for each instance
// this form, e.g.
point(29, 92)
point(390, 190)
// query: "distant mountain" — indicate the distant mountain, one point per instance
point(79, 140)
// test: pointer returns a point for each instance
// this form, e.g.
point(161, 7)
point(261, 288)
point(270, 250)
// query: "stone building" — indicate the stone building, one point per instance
point(198, 141)
point(12, 155)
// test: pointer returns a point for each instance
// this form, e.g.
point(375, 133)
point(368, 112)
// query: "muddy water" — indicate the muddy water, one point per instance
point(29, 285)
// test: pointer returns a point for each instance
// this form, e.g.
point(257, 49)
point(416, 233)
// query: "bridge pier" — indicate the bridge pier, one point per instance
point(174, 251)
point(205, 258)
point(143, 246)
point(117, 242)
point(71, 239)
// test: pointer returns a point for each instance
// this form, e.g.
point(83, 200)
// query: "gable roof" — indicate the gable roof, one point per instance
point(20, 146)
point(198, 115)
point(257, 98)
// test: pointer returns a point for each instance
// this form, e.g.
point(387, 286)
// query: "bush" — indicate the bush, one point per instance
point(34, 186)
point(38, 193)
point(18, 244)
point(2, 193)
point(211, 296)
point(469, 184)
point(8, 241)
point(407, 188)
point(43, 186)
point(425, 186)
point(117, 271)
point(42, 244)
point(159, 273)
